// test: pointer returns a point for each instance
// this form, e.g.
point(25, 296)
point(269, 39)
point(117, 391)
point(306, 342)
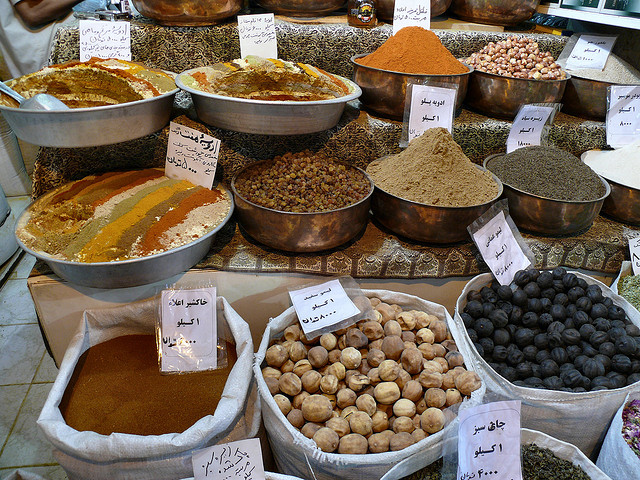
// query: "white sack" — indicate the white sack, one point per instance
point(298, 455)
point(89, 455)
point(577, 418)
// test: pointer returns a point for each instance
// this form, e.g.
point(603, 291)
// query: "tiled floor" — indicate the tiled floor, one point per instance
point(27, 373)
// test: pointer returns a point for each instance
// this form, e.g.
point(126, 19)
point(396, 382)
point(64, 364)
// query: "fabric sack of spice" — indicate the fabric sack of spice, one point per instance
point(298, 455)
point(577, 418)
point(89, 455)
point(616, 457)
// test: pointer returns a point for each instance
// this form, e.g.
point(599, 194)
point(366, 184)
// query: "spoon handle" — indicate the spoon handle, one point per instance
point(12, 93)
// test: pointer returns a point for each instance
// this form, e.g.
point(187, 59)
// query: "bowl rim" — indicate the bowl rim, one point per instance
point(326, 212)
point(356, 92)
point(505, 77)
point(450, 207)
point(605, 183)
point(366, 67)
point(48, 258)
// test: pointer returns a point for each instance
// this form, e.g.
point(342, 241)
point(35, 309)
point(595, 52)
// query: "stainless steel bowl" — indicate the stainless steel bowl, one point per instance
point(623, 204)
point(384, 91)
point(494, 12)
point(132, 272)
point(188, 12)
point(301, 232)
point(93, 126)
point(269, 117)
point(427, 223)
point(549, 217)
point(385, 8)
point(585, 98)
point(499, 96)
point(301, 8)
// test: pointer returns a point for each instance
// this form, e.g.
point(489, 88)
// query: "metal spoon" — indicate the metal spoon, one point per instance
point(40, 101)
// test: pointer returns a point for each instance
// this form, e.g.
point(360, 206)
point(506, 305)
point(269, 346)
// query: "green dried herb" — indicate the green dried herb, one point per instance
point(629, 288)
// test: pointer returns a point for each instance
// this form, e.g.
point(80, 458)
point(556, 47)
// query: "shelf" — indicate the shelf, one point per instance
point(594, 17)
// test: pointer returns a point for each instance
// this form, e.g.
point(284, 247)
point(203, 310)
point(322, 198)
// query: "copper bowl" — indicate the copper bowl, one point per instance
point(623, 204)
point(301, 232)
point(501, 97)
point(301, 8)
point(188, 12)
point(384, 91)
point(385, 8)
point(494, 12)
point(586, 98)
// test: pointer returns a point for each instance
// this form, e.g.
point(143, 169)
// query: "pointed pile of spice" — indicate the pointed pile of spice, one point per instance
point(414, 50)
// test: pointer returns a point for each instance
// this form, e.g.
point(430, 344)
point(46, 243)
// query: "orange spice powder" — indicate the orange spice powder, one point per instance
point(414, 50)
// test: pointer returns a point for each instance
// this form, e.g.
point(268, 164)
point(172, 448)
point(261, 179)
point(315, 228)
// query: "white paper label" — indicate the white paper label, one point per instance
point(191, 155)
point(489, 442)
point(411, 13)
point(590, 51)
point(104, 39)
point(241, 460)
point(623, 116)
point(634, 252)
point(321, 306)
point(527, 127)
point(189, 330)
point(430, 107)
point(500, 250)
point(258, 35)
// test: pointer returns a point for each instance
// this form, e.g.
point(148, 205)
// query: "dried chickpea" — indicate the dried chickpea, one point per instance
point(339, 425)
point(346, 397)
point(329, 384)
point(388, 370)
point(292, 332)
point(439, 349)
point(311, 381)
point(290, 384)
point(360, 422)
point(295, 418)
point(435, 397)
point(423, 319)
point(297, 351)
point(432, 366)
point(328, 341)
point(404, 408)
point(326, 439)
point(387, 392)
point(353, 444)
point(309, 429)
point(374, 301)
point(378, 443)
point(448, 380)
point(432, 420)
point(439, 330)
point(316, 408)
point(276, 355)
point(443, 363)
point(428, 350)
point(412, 390)
point(366, 403)
point(284, 404)
point(351, 358)
point(400, 441)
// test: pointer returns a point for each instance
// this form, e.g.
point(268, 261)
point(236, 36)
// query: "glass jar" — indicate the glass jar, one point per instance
point(361, 13)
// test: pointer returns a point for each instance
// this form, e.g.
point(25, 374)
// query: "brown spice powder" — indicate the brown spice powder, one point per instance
point(117, 387)
point(434, 170)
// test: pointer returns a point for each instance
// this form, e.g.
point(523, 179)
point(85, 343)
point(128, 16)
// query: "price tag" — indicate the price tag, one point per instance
point(241, 460)
point(430, 107)
point(634, 252)
point(499, 248)
point(191, 155)
point(489, 441)
point(623, 116)
point(322, 306)
point(189, 336)
point(411, 13)
point(104, 40)
point(258, 35)
point(591, 51)
point(527, 126)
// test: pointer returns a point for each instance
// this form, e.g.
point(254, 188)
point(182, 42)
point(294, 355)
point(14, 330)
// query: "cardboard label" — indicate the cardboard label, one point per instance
point(258, 35)
point(591, 51)
point(411, 13)
point(634, 252)
point(623, 116)
point(527, 127)
point(191, 155)
point(105, 39)
point(241, 460)
point(430, 107)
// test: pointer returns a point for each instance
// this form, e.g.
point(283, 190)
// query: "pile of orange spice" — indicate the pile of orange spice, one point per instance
point(414, 50)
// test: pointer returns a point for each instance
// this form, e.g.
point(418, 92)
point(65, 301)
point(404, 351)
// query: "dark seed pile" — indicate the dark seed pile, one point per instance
point(302, 182)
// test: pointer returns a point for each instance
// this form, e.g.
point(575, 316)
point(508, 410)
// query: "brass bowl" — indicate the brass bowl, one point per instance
point(623, 204)
point(494, 12)
point(301, 8)
point(384, 91)
point(549, 217)
point(188, 12)
point(385, 8)
point(427, 223)
point(301, 232)
point(501, 97)
point(586, 98)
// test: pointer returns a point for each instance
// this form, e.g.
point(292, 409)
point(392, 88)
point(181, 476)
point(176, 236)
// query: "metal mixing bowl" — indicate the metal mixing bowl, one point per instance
point(499, 96)
point(384, 91)
point(301, 8)
point(427, 223)
point(494, 12)
point(188, 12)
point(385, 8)
point(623, 204)
point(301, 232)
point(549, 217)
point(586, 98)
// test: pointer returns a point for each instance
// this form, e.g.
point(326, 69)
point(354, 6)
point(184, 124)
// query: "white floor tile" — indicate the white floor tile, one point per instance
point(11, 397)
point(21, 349)
point(16, 304)
point(25, 445)
point(47, 371)
point(23, 269)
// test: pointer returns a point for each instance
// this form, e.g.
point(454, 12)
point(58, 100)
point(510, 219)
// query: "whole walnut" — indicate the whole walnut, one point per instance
point(387, 392)
point(378, 443)
point(392, 346)
point(372, 330)
point(328, 341)
point(326, 439)
point(351, 358)
point(311, 381)
point(388, 370)
point(284, 404)
point(360, 422)
point(355, 338)
point(353, 444)
point(468, 382)
point(316, 408)
point(380, 421)
point(290, 384)
point(339, 425)
point(411, 360)
point(366, 403)
point(432, 420)
point(276, 355)
point(400, 441)
point(292, 332)
point(375, 357)
point(309, 429)
point(318, 356)
point(346, 397)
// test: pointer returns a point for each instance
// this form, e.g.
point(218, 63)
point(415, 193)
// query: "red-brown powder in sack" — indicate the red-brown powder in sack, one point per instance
point(414, 50)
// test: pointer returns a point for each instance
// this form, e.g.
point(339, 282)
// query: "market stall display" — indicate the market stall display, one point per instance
point(301, 8)
point(619, 457)
point(494, 12)
point(188, 12)
point(385, 8)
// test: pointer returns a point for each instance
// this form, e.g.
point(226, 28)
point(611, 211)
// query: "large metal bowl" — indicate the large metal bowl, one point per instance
point(269, 117)
point(499, 96)
point(623, 204)
point(132, 272)
point(586, 98)
point(494, 12)
point(93, 126)
point(549, 217)
point(188, 12)
point(427, 223)
point(385, 8)
point(384, 91)
point(301, 8)
point(301, 232)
